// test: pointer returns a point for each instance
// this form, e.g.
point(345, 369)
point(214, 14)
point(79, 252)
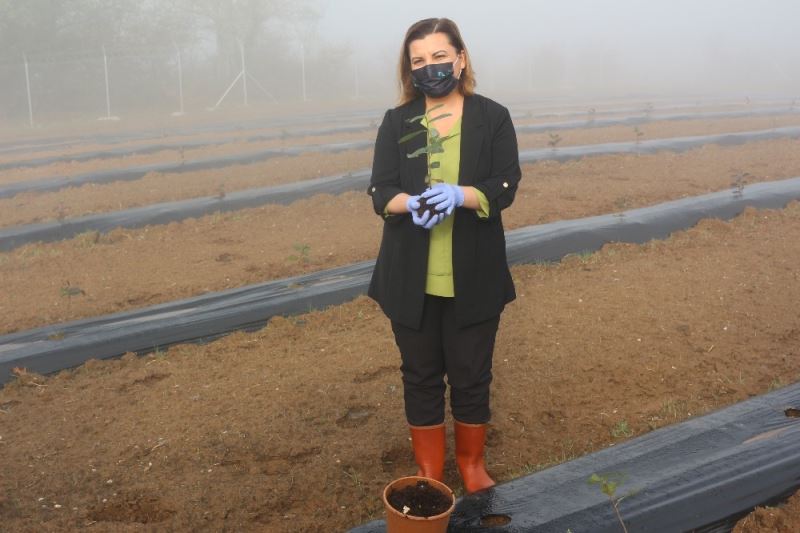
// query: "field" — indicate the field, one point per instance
point(298, 426)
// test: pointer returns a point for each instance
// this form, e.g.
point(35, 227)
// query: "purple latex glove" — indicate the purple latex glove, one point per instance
point(427, 220)
point(446, 197)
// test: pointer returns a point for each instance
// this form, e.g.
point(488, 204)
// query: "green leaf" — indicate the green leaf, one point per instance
point(437, 149)
point(415, 119)
point(443, 139)
point(418, 152)
point(434, 108)
point(434, 133)
point(410, 136)
point(434, 119)
point(595, 479)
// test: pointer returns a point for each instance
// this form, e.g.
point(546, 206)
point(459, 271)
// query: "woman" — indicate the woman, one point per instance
point(443, 279)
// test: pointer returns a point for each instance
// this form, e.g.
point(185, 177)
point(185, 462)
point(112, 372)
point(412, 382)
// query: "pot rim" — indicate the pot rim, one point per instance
point(447, 491)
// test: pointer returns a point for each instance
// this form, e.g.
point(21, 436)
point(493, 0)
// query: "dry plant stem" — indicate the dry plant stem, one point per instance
point(619, 516)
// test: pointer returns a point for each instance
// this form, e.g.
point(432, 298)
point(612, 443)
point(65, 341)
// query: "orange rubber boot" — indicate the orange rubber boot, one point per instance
point(429, 445)
point(470, 439)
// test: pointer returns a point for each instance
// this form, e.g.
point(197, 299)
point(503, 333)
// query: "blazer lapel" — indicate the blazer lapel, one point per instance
point(472, 133)
point(418, 166)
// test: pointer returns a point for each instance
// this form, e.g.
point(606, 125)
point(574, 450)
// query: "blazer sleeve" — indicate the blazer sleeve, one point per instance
point(501, 186)
point(384, 182)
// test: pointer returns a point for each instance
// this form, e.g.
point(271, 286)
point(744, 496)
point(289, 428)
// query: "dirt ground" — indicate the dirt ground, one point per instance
point(254, 245)
point(781, 519)
point(298, 426)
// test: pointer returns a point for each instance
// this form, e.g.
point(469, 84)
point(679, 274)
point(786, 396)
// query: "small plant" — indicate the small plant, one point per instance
point(621, 429)
point(68, 291)
point(738, 181)
point(181, 151)
point(555, 138)
point(639, 134)
point(591, 115)
point(608, 485)
point(793, 105)
point(303, 250)
point(775, 384)
point(648, 109)
point(434, 141)
point(220, 192)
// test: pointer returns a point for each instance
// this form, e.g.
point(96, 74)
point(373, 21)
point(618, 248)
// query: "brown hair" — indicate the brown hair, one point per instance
point(420, 30)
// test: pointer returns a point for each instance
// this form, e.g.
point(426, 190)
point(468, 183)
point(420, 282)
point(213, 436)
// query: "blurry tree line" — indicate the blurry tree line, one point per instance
point(63, 40)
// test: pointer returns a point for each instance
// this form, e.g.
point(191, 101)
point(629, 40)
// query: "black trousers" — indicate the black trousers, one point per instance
point(438, 349)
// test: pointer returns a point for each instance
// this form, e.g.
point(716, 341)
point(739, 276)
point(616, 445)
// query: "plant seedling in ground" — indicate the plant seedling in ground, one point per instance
point(303, 251)
point(591, 114)
point(608, 485)
point(433, 145)
point(555, 138)
point(68, 291)
point(648, 109)
point(639, 134)
point(738, 181)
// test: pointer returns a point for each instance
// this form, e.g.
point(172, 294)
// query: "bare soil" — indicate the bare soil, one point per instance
point(298, 427)
point(254, 245)
point(780, 519)
point(155, 187)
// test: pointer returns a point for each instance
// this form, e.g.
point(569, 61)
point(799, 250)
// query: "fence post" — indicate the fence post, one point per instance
point(303, 68)
point(108, 90)
point(358, 91)
point(180, 81)
point(28, 86)
point(244, 71)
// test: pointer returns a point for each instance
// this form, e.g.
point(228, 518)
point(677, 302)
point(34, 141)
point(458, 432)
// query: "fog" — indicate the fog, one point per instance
point(89, 58)
point(597, 47)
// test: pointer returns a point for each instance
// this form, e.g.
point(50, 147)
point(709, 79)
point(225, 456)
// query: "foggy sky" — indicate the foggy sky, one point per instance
point(575, 46)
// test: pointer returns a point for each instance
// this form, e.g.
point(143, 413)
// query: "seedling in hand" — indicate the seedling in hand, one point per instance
point(434, 145)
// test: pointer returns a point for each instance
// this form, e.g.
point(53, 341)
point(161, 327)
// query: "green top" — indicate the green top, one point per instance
point(440, 253)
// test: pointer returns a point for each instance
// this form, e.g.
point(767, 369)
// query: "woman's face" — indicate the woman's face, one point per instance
point(435, 48)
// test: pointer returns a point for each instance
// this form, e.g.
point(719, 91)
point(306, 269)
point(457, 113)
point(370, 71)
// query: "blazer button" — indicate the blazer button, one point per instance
point(505, 185)
point(373, 189)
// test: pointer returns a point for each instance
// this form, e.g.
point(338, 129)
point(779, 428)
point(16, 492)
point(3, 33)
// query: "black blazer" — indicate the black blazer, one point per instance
point(490, 163)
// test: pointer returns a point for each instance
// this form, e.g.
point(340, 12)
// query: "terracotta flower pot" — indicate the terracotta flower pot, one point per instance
point(397, 522)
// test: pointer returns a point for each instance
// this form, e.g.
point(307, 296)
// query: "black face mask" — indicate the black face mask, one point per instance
point(435, 80)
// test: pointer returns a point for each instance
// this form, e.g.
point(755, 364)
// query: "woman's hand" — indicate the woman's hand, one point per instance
point(445, 197)
point(428, 219)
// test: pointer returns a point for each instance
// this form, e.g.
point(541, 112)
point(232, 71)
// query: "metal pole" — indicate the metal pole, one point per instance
point(28, 85)
point(357, 83)
point(108, 92)
point(303, 68)
point(244, 71)
point(180, 79)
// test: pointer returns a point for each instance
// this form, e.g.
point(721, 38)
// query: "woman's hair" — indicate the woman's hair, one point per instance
point(420, 30)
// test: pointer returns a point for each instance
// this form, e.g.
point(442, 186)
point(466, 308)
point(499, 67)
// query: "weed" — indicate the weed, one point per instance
point(56, 336)
point(648, 110)
point(608, 485)
point(621, 429)
point(70, 290)
point(639, 134)
point(775, 384)
point(555, 138)
point(303, 250)
point(591, 115)
point(87, 239)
